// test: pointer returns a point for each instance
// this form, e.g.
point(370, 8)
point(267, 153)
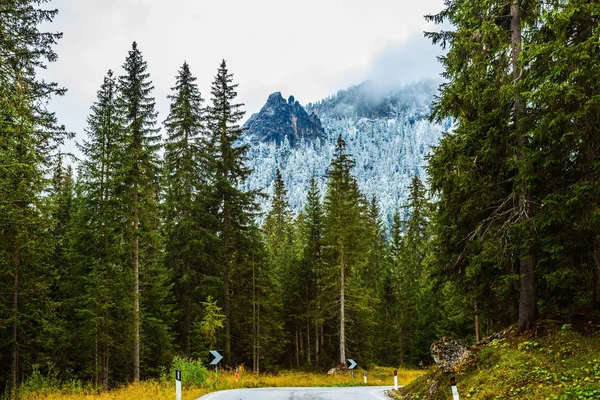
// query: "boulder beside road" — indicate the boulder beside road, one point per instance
point(448, 354)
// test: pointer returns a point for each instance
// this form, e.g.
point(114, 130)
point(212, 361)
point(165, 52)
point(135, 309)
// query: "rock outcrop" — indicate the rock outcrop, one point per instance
point(449, 354)
point(279, 119)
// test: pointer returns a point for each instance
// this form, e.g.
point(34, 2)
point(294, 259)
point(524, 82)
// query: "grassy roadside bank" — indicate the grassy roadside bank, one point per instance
point(165, 388)
point(552, 362)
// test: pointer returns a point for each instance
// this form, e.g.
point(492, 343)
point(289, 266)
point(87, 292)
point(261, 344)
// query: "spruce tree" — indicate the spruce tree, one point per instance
point(415, 302)
point(138, 172)
point(29, 137)
point(187, 223)
point(231, 206)
point(343, 234)
point(481, 171)
point(560, 86)
point(278, 219)
point(97, 236)
point(392, 341)
point(280, 240)
point(61, 196)
point(312, 232)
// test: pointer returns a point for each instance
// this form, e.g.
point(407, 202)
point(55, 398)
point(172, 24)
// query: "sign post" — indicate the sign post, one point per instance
point(395, 379)
point(214, 357)
point(454, 388)
point(351, 364)
point(177, 384)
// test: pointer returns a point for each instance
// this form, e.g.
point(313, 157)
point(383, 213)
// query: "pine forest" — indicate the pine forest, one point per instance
point(151, 247)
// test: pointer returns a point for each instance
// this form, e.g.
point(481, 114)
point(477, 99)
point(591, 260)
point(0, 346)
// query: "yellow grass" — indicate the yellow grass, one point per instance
point(226, 380)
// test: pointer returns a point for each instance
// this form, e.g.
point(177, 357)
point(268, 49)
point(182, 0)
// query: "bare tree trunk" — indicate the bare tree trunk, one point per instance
point(307, 334)
point(104, 333)
point(342, 307)
point(136, 287)
point(96, 357)
point(527, 293)
point(297, 352)
point(258, 331)
point(477, 334)
point(15, 315)
point(253, 318)
point(226, 289)
point(227, 310)
point(316, 343)
point(105, 369)
point(300, 335)
point(401, 352)
point(597, 272)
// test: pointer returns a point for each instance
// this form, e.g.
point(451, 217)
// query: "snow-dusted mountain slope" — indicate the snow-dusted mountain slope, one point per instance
point(386, 131)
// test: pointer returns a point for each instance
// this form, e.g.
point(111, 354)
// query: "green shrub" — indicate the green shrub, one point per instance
point(193, 372)
point(40, 383)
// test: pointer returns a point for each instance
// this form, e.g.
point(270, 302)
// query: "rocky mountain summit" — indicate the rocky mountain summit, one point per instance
point(387, 133)
point(280, 118)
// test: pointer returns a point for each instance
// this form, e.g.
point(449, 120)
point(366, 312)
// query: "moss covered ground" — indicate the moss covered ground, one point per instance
point(553, 361)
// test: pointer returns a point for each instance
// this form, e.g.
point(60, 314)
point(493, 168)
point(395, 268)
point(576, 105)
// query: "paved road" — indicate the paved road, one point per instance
point(351, 393)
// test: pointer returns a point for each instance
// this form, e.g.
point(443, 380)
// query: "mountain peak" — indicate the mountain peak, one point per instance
point(275, 99)
point(279, 119)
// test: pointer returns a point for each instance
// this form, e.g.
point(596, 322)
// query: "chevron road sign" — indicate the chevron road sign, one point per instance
point(351, 363)
point(215, 356)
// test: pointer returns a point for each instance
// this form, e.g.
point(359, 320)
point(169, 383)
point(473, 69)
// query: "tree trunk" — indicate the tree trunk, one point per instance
point(297, 352)
point(253, 318)
point(527, 294)
point(258, 331)
point(322, 336)
point(105, 368)
point(342, 308)
point(308, 347)
point(316, 343)
point(136, 287)
point(227, 320)
point(301, 344)
point(105, 334)
point(226, 272)
point(477, 334)
point(15, 315)
point(597, 272)
point(401, 352)
point(97, 372)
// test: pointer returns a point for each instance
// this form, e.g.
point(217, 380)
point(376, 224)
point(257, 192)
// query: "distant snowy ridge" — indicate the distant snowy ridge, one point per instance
point(387, 132)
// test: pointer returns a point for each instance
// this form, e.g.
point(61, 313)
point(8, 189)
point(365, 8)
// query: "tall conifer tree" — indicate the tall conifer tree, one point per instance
point(232, 207)
point(29, 136)
point(481, 170)
point(343, 230)
point(188, 238)
point(138, 171)
point(97, 237)
point(312, 258)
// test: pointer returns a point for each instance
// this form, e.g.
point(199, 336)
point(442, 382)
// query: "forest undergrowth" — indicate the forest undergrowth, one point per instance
point(41, 387)
point(553, 361)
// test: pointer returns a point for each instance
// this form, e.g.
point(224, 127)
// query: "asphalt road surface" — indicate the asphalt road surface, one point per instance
point(311, 393)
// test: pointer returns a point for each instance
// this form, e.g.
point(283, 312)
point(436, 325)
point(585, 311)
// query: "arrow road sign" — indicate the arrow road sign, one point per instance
point(214, 356)
point(351, 363)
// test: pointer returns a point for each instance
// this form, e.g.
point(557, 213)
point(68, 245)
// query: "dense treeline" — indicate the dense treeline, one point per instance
point(517, 181)
point(154, 250)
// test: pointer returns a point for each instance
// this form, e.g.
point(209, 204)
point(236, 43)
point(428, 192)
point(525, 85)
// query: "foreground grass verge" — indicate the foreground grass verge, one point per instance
point(165, 389)
point(558, 364)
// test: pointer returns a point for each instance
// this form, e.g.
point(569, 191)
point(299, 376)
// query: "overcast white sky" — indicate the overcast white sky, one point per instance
point(309, 48)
